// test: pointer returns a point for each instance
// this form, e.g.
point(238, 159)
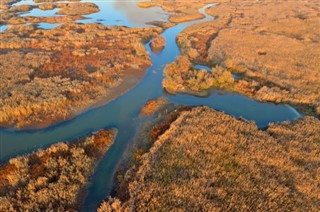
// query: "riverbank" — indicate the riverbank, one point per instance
point(123, 113)
point(14, 13)
point(276, 52)
point(55, 178)
point(207, 160)
point(64, 76)
point(180, 11)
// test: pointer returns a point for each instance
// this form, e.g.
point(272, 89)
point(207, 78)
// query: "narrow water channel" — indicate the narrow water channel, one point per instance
point(122, 113)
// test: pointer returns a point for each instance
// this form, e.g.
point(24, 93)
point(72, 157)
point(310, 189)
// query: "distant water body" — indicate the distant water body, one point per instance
point(123, 112)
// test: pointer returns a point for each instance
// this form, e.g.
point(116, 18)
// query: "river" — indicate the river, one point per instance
point(123, 112)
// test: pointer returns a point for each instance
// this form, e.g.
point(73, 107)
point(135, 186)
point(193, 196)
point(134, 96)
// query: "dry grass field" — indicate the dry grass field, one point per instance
point(53, 179)
point(66, 70)
point(273, 44)
point(210, 161)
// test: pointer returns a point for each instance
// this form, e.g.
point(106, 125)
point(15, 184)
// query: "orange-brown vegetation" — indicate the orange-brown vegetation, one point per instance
point(45, 1)
point(53, 179)
point(180, 10)
point(274, 44)
point(180, 76)
point(21, 8)
point(164, 123)
point(5, 4)
point(71, 11)
point(162, 24)
point(51, 19)
point(158, 43)
point(148, 133)
point(50, 75)
point(210, 161)
point(79, 8)
point(47, 6)
point(153, 106)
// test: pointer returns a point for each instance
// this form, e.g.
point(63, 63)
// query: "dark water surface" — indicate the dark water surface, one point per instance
point(122, 113)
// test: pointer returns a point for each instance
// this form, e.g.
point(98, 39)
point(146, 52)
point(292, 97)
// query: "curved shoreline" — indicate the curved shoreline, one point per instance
point(123, 111)
point(129, 81)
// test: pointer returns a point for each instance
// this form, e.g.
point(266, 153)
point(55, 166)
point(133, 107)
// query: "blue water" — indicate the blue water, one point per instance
point(41, 13)
point(202, 67)
point(47, 25)
point(3, 27)
point(112, 13)
point(125, 13)
point(24, 2)
point(122, 113)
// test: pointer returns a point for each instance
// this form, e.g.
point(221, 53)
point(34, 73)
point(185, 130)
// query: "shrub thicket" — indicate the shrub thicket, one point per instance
point(53, 179)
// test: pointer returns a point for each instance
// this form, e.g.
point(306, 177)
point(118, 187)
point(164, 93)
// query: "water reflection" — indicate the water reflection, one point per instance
point(139, 16)
point(126, 13)
point(112, 13)
point(123, 112)
point(41, 13)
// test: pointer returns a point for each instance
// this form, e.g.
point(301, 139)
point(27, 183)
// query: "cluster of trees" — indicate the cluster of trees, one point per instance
point(53, 179)
point(209, 161)
point(180, 76)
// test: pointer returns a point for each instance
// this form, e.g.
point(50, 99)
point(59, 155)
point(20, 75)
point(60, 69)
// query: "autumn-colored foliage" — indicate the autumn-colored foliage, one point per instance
point(153, 106)
point(68, 11)
point(210, 161)
point(180, 76)
point(158, 43)
point(277, 51)
point(52, 179)
point(65, 70)
point(164, 125)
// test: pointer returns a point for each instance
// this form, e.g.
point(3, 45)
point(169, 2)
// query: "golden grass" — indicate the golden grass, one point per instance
point(65, 70)
point(210, 161)
point(153, 106)
point(274, 44)
point(53, 179)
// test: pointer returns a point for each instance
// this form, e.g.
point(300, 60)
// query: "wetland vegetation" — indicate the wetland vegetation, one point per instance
point(207, 160)
point(268, 42)
point(61, 61)
point(66, 70)
point(54, 178)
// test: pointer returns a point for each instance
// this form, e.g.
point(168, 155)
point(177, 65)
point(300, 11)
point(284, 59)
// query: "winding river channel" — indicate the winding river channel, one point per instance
point(123, 113)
